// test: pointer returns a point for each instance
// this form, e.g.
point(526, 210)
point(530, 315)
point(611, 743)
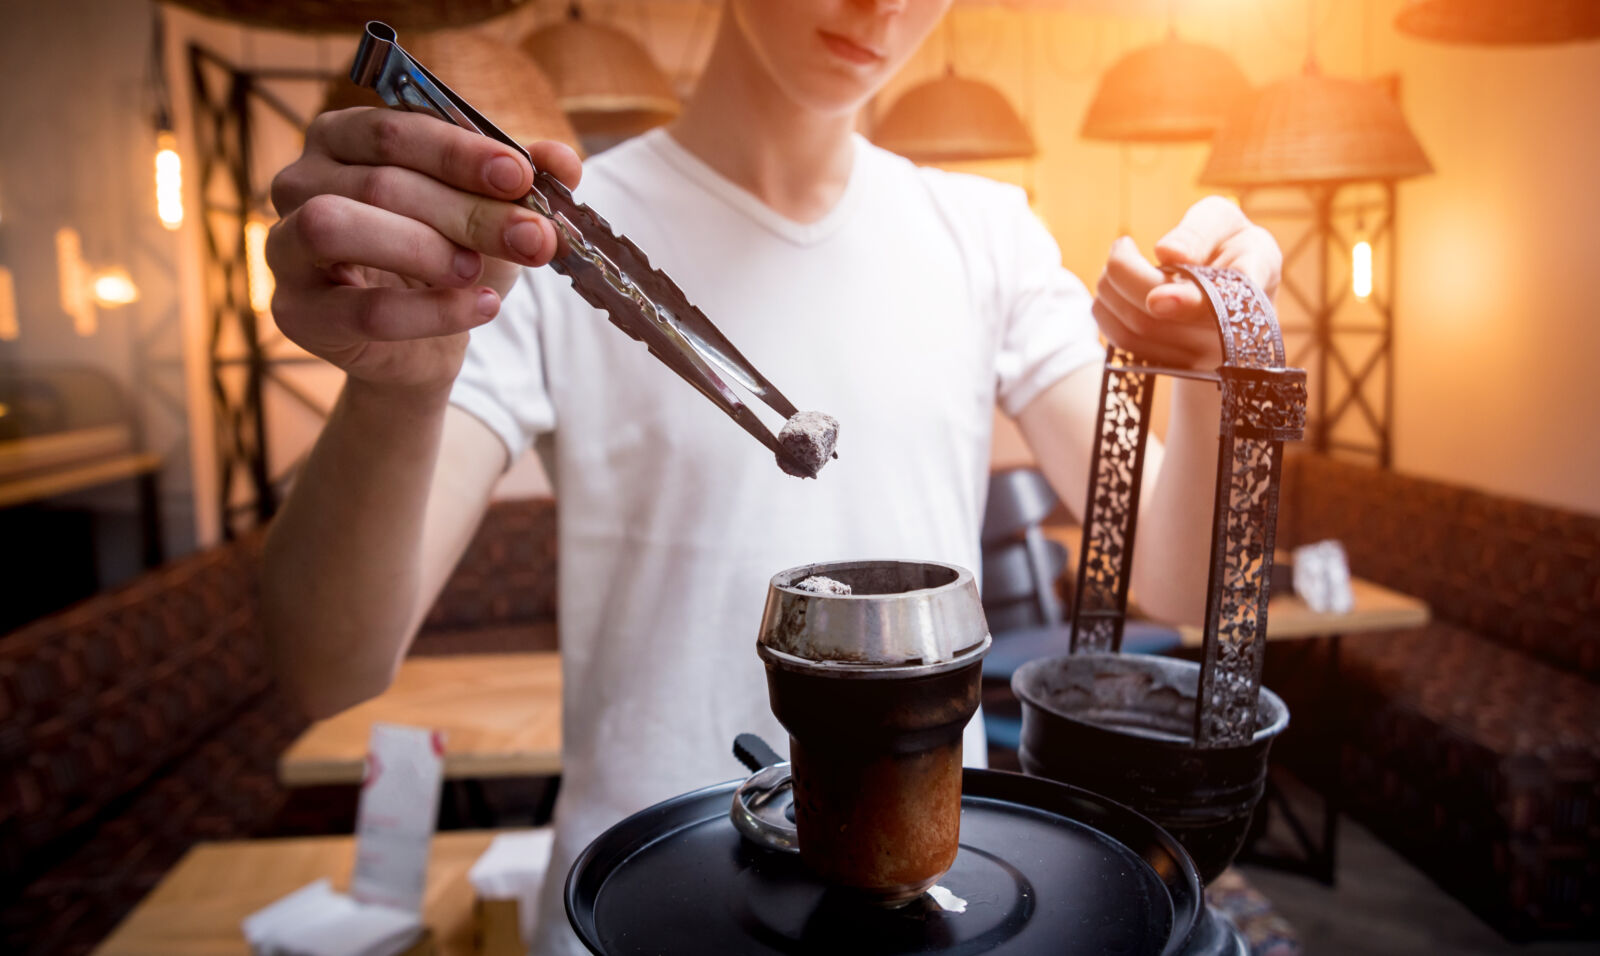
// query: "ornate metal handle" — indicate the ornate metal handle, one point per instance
point(1263, 405)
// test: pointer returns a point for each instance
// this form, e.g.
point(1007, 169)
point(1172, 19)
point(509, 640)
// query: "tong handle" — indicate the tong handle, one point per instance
point(405, 84)
point(754, 753)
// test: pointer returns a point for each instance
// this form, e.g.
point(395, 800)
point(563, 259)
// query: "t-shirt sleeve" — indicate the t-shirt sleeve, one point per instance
point(1047, 328)
point(502, 381)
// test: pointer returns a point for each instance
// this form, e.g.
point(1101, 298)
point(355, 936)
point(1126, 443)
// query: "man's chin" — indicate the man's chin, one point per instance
point(835, 96)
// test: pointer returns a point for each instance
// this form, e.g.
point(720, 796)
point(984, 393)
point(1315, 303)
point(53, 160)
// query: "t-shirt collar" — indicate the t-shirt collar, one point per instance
point(800, 233)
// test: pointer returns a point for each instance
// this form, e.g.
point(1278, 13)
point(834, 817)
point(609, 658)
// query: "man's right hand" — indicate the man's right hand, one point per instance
point(397, 234)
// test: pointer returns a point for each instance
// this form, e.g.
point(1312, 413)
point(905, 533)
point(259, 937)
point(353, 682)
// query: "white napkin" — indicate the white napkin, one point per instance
point(316, 921)
point(1322, 577)
point(513, 868)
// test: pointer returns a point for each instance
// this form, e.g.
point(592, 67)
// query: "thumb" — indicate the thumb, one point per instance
point(1202, 230)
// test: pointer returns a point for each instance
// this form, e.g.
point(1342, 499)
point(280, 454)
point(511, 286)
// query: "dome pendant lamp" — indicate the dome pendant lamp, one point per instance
point(1170, 92)
point(1311, 129)
point(953, 119)
point(604, 79)
point(1501, 22)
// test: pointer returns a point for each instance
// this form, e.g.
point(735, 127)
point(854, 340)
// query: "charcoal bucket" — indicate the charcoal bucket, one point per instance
point(1123, 725)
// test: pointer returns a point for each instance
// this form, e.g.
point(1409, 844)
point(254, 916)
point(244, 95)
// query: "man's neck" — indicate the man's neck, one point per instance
point(741, 124)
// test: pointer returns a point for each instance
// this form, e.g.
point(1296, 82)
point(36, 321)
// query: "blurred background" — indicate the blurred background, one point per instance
point(1428, 167)
point(1484, 380)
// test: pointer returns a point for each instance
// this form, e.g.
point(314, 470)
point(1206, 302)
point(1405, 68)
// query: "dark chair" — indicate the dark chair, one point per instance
point(1027, 616)
point(1020, 564)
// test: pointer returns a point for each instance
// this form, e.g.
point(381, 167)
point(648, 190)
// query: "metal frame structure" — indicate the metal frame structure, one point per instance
point(1352, 388)
point(1263, 405)
point(224, 99)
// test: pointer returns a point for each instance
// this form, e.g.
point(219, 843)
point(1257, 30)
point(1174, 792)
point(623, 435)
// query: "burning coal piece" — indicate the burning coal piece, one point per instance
point(807, 440)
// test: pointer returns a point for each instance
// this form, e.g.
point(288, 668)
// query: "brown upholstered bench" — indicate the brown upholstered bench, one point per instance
point(142, 720)
point(1471, 745)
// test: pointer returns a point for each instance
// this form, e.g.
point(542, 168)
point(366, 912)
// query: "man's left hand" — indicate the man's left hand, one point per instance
point(1166, 321)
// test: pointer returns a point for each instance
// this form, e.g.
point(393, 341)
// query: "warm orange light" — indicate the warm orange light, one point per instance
point(1361, 270)
point(9, 330)
point(169, 181)
point(114, 287)
point(73, 274)
point(258, 275)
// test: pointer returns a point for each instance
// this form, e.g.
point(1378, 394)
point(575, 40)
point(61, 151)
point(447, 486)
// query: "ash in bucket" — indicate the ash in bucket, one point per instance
point(874, 578)
point(822, 584)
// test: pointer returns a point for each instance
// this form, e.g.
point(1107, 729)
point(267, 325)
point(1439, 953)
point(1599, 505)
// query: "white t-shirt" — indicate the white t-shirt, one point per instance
point(906, 312)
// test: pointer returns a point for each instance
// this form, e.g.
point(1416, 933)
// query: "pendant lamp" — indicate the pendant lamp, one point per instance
point(952, 119)
point(1501, 22)
point(1169, 92)
point(604, 79)
point(498, 79)
point(350, 16)
point(1312, 128)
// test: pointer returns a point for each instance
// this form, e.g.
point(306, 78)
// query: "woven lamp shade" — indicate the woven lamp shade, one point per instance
point(1314, 129)
point(604, 79)
point(953, 119)
point(342, 16)
point(1501, 22)
point(1170, 92)
point(496, 78)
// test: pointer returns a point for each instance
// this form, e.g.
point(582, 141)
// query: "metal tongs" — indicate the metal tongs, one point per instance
point(607, 269)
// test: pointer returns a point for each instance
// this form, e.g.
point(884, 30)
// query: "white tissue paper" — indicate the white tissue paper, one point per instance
point(395, 816)
point(513, 868)
point(317, 921)
point(1322, 577)
point(394, 828)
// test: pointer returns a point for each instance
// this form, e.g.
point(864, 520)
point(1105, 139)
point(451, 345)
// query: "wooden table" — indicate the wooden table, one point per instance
point(501, 714)
point(197, 908)
point(1376, 608)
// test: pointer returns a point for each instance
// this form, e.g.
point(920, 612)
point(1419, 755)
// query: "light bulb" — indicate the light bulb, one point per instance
point(169, 181)
point(258, 276)
point(114, 287)
point(1361, 270)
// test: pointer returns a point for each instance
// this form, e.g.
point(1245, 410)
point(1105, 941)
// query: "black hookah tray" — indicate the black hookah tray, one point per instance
point(1043, 868)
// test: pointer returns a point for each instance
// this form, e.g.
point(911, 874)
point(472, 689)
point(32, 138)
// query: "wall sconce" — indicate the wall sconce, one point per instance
point(9, 329)
point(82, 289)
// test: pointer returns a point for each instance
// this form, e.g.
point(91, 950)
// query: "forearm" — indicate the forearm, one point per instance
point(343, 561)
point(1171, 566)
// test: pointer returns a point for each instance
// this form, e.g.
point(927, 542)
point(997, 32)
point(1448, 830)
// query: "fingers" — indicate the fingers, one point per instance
point(1153, 352)
point(330, 230)
point(559, 160)
point(1201, 232)
point(367, 136)
point(1133, 329)
point(1138, 281)
point(1255, 252)
point(390, 314)
point(1216, 232)
point(490, 226)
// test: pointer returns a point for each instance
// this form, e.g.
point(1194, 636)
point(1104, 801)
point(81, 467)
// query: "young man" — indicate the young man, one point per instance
point(905, 302)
